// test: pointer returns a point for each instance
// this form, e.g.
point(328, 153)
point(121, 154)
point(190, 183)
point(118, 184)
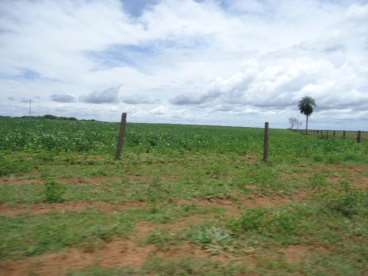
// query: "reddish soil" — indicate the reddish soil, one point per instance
point(232, 207)
point(123, 253)
point(189, 250)
point(117, 253)
point(19, 181)
point(44, 208)
point(114, 254)
point(265, 202)
point(184, 223)
point(357, 181)
point(95, 180)
point(361, 182)
point(250, 159)
point(298, 253)
point(236, 206)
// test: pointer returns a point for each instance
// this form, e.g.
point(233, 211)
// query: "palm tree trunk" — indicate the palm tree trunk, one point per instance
point(306, 125)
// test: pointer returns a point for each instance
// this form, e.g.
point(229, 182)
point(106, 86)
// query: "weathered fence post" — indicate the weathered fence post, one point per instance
point(334, 133)
point(265, 142)
point(121, 138)
point(359, 136)
point(344, 134)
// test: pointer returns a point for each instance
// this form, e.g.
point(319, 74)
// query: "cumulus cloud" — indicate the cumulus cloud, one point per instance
point(139, 99)
point(63, 98)
point(187, 61)
point(107, 96)
point(192, 99)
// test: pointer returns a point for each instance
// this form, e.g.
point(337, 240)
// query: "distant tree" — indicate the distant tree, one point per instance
point(294, 123)
point(306, 106)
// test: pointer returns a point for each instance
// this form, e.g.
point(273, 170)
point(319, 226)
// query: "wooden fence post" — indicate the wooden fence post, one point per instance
point(344, 134)
point(265, 142)
point(359, 136)
point(121, 138)
point(334, 133)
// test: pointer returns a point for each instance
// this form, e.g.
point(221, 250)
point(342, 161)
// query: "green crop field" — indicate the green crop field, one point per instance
point(184, 200)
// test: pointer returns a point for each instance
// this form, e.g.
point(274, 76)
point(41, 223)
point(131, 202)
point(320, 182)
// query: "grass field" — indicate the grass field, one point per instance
point(185, 200)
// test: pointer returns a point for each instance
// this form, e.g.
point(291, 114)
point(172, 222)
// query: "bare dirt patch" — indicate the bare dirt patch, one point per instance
point(264, 202)
point(117, 253)
point(19, 181)
point(186, 222)
point(238, 203)
point(361, 182)
point(190, 250)
point(114, 254)
point(44, 208)
point(144, 229)
point(233, 207)
point(250, 158)
point(96, 180)
point(298, 253)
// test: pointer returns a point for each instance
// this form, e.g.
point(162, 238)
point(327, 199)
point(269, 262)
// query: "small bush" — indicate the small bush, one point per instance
point(318, 181)
point(157, 191)
point(252, 220)
point(210, 235)
point(318, 158)
point(9, 167)
point(54, 192)
point(348, 203)
point(279, 223)
point(161, 238)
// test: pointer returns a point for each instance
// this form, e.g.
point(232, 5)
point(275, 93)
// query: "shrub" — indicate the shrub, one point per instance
point(205, 234)
point(278, 223)
point(347, 203)
point(54, 192)
point(9, 167)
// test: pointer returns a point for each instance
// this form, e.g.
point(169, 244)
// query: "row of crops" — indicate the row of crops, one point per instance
point(39, 134)
point(90, 136)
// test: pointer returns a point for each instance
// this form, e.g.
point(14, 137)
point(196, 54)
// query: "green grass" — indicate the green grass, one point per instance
point(23, 236)
point(158, 266)
point(178, 172)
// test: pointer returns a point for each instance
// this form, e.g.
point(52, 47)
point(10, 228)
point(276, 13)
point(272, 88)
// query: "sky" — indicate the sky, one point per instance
point(220, 62)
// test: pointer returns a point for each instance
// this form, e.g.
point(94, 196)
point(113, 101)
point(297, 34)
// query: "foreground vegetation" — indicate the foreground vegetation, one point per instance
point(184, 200)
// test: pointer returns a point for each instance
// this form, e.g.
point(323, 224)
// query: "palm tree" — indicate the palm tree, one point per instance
point(306, 106)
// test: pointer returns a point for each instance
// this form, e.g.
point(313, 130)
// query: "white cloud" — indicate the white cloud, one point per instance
point(107, 96)
point(239, 62)
point(63, 98)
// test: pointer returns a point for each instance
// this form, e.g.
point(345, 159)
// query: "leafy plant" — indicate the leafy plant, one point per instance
point(205, 235)
point(280, 223)
point(161, 238)
point(54, 192)
point(348, 202)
